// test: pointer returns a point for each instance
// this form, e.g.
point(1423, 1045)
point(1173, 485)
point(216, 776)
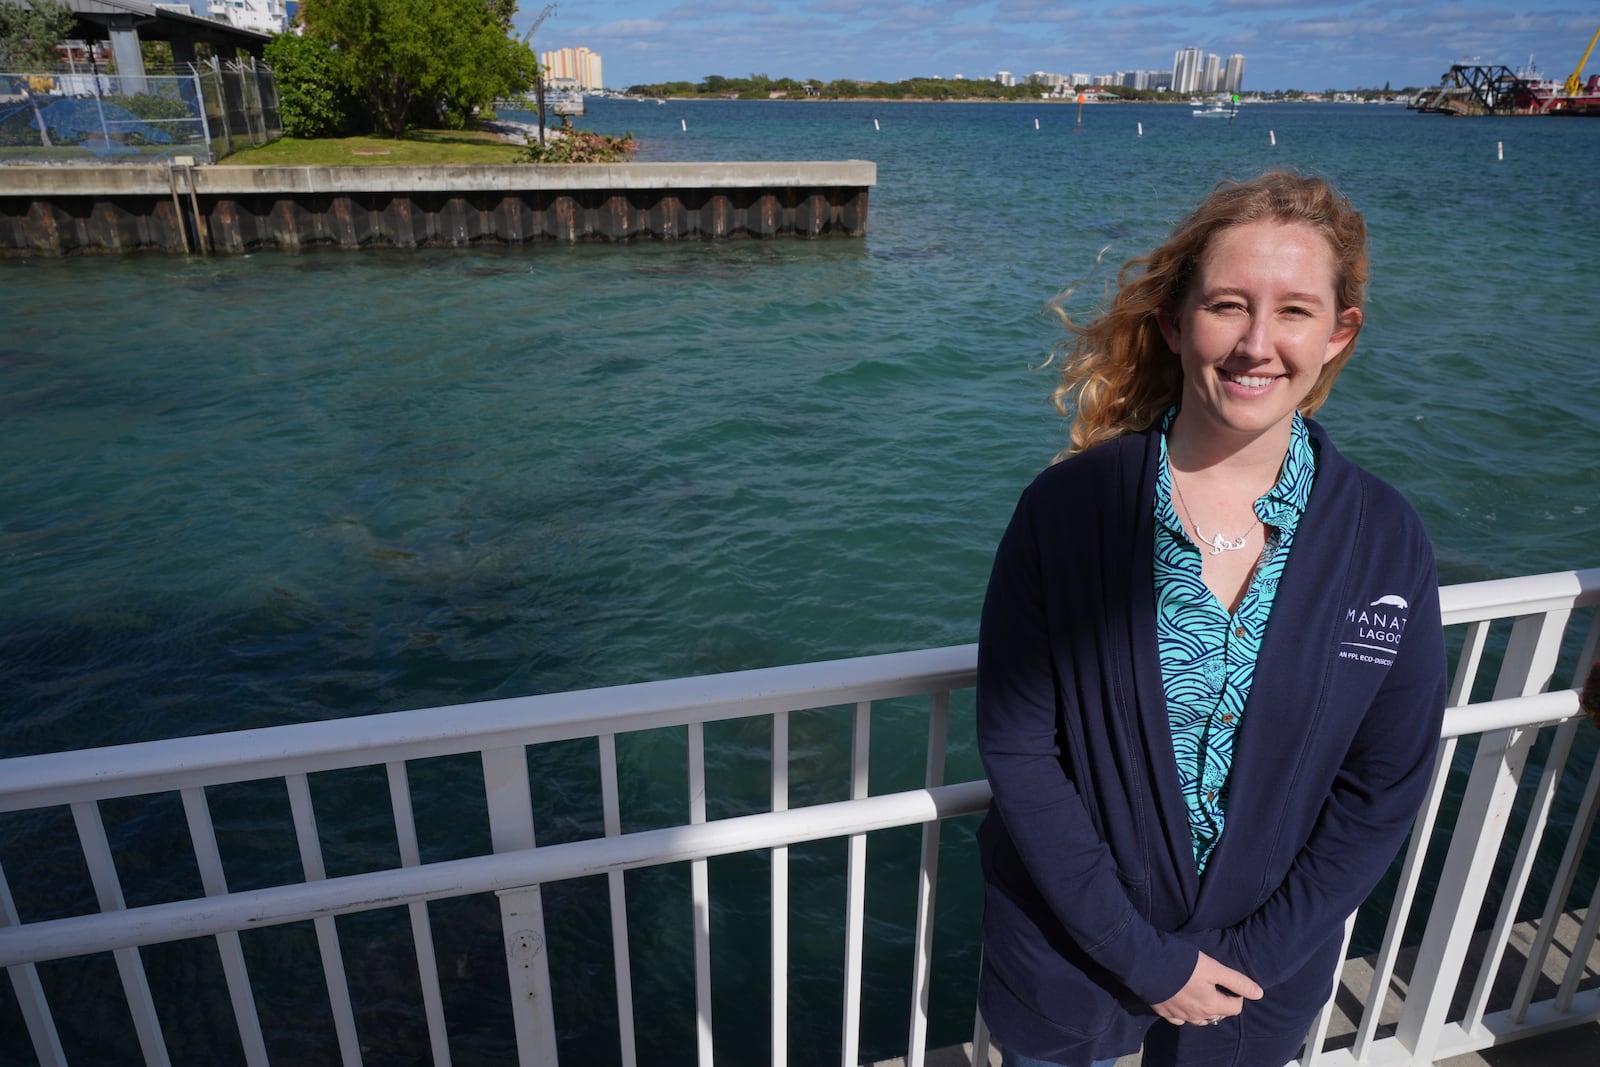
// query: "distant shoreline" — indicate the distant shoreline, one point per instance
point(1250, 101)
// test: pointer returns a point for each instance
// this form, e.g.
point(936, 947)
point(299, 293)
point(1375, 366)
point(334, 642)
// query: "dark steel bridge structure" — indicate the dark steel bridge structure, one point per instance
point(1483, 90)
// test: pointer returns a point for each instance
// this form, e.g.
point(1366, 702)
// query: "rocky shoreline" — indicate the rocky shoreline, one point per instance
point(522, 133)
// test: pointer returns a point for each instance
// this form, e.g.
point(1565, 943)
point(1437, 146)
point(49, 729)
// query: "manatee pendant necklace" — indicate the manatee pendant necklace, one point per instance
point(1221, 542)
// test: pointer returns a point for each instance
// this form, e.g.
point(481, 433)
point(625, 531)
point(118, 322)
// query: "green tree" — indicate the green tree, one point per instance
point(157, 55)
point(311, 101)
point(29, 35)
point(502, 12)
point(440, 60)
point(28, 39)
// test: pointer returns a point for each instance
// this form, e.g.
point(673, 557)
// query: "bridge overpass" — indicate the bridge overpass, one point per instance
point(127, 23)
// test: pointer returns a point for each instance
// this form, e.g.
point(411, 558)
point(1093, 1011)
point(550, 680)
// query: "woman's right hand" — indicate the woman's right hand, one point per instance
point(1212, 993)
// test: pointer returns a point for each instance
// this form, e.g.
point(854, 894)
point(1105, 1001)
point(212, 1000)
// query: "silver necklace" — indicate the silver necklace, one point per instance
point(1221, 542)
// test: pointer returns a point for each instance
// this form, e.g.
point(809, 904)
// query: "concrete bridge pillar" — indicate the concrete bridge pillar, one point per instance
point(125, 47)
point(182, 52)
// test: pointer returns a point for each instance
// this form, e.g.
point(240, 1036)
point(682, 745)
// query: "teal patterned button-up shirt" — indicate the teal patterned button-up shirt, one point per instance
point(1208, 658)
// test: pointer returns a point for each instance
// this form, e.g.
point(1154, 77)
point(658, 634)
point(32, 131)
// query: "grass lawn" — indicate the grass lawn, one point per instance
point(417, 148)
point(76, 153)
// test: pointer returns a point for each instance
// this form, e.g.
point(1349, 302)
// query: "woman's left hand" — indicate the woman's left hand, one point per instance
point(1213, 993)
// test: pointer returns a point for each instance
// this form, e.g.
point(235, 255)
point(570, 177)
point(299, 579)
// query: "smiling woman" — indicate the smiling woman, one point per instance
point(1255, 332)
point(1194, 779)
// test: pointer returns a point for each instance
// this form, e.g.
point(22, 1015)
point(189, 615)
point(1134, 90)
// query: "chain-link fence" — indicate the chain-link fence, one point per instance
point(241, 105)
point(82, 115)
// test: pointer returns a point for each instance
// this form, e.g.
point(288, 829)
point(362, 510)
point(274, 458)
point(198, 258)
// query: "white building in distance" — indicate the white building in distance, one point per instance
point(1186, 71)
point(263, 16)
point(572, 68)
point(1233, 76)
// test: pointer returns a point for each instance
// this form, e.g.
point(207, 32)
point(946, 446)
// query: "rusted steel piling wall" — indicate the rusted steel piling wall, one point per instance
point(62, 210)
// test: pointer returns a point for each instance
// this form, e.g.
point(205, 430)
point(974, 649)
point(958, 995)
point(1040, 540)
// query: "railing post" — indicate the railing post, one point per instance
point(700, 892)
point(927, 883)
point(30, 994)
point(309, 841)
point(855, 887)
point(203, 834)
point(1400, 906)
point(405, 826)
point(130, 965)
point(1577, 838)
point(1485, 807)
point(510, 801)
point(611, 813)
point(780, 896)
point(1521, 869)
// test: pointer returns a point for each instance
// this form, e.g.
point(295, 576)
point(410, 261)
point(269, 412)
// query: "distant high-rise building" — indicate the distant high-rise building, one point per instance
point(1005, 78)
point(1233, 77)
point(572, 68)
point(263, 16)
point(1078, 79)
point(1211, 75)
point(1186, 71)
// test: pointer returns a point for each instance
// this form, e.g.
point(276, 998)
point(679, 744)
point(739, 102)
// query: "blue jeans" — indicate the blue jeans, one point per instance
point(1017, 1059)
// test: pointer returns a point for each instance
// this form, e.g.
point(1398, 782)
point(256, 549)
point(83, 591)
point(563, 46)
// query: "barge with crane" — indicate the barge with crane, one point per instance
point(1471, 89)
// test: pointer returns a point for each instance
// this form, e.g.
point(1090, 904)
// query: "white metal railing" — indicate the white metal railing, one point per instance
point(1539, 609)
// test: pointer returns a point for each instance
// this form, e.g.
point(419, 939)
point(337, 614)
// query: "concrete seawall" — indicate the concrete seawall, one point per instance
point(62, 210)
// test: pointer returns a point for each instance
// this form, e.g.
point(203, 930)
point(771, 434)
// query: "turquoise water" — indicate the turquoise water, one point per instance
point(272, 488)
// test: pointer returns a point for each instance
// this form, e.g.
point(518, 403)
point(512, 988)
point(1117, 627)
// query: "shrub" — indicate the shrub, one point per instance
point(310, 102)
point(580, 146)
point(153, 106)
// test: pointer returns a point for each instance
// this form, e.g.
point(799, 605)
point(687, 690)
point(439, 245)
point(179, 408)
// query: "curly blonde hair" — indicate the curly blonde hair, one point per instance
point(1118, 374)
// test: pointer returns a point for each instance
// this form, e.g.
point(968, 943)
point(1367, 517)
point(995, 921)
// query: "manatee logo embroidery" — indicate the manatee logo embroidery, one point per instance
point(1372, 634)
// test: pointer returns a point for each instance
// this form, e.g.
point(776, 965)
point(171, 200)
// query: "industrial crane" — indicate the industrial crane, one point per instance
point(549, 9)
point(1574, 84)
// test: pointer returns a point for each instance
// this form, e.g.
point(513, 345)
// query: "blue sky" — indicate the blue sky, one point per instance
point(1287, 44)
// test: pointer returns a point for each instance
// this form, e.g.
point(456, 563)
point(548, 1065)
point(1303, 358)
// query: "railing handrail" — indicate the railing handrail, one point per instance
point(298, 901)
point(271, 751)
point(178, 920)
point(1533, 594)
point(1543, 709)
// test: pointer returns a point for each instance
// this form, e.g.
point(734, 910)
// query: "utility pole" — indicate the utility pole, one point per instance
point(538, 82)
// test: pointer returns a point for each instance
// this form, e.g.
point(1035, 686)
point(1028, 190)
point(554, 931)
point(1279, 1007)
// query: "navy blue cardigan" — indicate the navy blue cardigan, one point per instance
point(1093, 908)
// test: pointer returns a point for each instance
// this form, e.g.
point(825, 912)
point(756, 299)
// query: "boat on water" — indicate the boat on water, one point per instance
point(1217, 110)
point(1569, 98)
point(564, 101)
